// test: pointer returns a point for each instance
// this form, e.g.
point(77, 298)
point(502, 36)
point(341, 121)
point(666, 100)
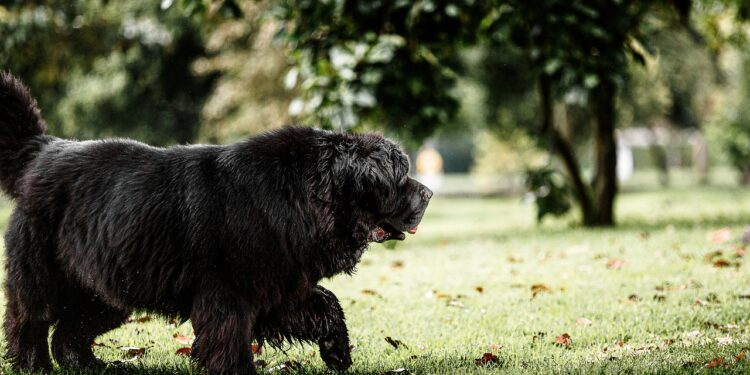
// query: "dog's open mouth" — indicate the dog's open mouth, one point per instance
point(384, 231)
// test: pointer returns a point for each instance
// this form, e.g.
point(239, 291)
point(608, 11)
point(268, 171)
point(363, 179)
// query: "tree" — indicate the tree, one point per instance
point(389, 64)
point(108, 68)
point(580, 47)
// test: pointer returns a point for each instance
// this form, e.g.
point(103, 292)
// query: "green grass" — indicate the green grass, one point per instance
point(643, 315)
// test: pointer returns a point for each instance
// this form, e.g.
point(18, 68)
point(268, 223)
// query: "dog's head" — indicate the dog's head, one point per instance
point(391, 202)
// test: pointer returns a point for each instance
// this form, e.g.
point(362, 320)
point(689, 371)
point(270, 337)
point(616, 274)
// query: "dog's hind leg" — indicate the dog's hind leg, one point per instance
point(82, 318)
point(30, 292)
point(317, 318)
point(26, 336)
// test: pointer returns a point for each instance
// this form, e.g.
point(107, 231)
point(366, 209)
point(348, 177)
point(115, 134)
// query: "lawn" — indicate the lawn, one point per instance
point(668, 291)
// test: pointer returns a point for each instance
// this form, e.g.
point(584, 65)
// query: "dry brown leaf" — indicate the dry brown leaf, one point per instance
point(184, 351)
point(256, 349)
point(717, 362)
point(479, 289)
point(740, 356)
point(563, 340)
point(583, 322)
point(370, 292)
point(721, 263)
point(184, 340)
point(496, 347)
point(539, 288)
point(485, 359)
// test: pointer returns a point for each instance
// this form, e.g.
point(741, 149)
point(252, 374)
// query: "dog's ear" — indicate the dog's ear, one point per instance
point(376, 171)
point(366, 168)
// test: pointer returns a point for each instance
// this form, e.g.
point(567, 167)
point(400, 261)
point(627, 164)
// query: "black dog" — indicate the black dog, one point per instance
point(234, 237)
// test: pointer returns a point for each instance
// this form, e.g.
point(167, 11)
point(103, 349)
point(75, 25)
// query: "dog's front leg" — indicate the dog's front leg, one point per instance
point(223, 324)
point(317, 318)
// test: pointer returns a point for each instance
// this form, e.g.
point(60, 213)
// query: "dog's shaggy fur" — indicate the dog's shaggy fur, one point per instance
point(236, 237)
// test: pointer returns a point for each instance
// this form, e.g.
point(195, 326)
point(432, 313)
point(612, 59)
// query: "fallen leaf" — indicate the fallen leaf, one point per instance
point(634, 298)
point(370, 292)
point(740, 356)
point(442, 295)
point(256, 349)
point(479, 289)
point(397, 264)
point(700, 302)
point(660, 297)
point(184, 340)
point(720, 235)
point(615, 264)
point(563, 340)
point(715, 363)
point(583, 322)
point(395, 343)
point(721, 263)
point(183, 351)
point(485, 359)
point(538, 288)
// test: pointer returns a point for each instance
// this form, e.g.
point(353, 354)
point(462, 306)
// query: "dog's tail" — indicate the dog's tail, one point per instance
point(21, 128)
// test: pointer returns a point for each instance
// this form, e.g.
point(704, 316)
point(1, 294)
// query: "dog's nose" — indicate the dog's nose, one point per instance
point(425, 193)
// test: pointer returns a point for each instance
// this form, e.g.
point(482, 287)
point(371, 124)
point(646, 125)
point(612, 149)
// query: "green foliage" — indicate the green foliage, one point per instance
point(108, 68)
point(734, 126)
point(551, 194)
point(387, 64)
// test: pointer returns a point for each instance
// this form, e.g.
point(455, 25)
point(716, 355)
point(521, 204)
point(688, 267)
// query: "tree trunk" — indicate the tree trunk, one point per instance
point(564, 150)
point(605, 178)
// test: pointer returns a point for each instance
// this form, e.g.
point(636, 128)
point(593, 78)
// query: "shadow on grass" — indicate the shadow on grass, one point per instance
point(675, 359)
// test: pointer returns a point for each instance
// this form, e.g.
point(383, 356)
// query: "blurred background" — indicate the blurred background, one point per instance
point(533, 120)
point(566, 103)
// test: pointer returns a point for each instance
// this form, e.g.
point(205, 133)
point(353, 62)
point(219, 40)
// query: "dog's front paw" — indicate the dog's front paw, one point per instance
point(335, 352)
